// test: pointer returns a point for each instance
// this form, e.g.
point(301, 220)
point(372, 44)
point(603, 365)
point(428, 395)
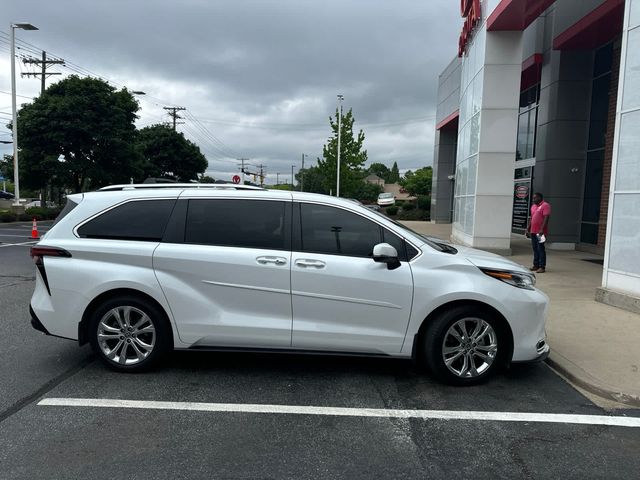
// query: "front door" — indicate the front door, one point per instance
point(229, 283)
point(342, 299)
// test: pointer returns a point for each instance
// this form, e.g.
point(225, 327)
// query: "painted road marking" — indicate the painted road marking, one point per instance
point(346, 412)
point(23, 244)
point(26, 234)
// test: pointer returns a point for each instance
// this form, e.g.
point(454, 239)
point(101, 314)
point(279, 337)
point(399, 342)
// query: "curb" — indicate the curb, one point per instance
point(587, 382)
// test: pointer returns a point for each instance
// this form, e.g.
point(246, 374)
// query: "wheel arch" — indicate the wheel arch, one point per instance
point(485, 307)
point(83, 334)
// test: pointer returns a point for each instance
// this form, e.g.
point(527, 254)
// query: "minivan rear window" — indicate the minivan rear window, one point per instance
point(142, 220)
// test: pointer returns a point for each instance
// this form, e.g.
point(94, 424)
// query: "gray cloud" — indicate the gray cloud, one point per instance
point(260, 75)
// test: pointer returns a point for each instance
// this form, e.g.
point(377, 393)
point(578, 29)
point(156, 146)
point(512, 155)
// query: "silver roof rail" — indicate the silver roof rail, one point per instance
point(141, 186)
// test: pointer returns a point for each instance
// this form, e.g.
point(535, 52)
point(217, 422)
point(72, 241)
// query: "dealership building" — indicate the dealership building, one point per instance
point(545, 96)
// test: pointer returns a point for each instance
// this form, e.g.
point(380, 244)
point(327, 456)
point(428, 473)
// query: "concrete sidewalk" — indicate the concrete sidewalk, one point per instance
point(596, 346)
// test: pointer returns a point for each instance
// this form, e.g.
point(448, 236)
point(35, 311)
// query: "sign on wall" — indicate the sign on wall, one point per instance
point(472, 13)
point(521, 199)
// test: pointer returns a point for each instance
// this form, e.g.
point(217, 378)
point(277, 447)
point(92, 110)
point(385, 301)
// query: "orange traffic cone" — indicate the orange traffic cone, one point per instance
point(34, 230)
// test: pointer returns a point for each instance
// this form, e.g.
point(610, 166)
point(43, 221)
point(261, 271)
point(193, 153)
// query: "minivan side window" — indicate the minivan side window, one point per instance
point(335, 231)
point(142, 220)
point(237, 223)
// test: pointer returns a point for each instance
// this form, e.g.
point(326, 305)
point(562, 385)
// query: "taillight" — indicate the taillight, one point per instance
point(38, 252)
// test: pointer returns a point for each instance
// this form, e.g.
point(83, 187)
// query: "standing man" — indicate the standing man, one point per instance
point(537, 230)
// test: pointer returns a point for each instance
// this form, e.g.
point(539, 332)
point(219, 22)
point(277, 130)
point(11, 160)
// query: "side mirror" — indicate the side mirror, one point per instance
point(385, 253)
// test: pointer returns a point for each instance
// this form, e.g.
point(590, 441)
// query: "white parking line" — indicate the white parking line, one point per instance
point(25, 235)
point(23, 244)
point(346, 412)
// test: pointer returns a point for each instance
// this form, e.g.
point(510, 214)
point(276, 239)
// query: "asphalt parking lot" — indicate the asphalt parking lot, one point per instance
point(246, 416)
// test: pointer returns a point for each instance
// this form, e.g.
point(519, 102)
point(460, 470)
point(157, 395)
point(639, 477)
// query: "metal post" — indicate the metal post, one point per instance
point(292, 176)
point(340, 98)
point(16, 179)
point(302, 175)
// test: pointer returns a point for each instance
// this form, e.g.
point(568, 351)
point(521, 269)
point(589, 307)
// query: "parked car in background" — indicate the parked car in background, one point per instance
point(385, 199)
point(138, 271)
point(6, 195)
point(38, 203)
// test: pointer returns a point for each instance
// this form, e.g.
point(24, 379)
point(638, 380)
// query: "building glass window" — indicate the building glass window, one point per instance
point(598, 118)
point(527, 123)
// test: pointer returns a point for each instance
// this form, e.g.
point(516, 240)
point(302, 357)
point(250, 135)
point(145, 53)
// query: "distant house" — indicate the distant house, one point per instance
point(397, 191)
point(375, 180)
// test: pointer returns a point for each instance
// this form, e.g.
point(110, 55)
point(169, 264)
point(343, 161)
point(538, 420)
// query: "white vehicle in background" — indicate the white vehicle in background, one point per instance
point(386, 199)
point(139, 270)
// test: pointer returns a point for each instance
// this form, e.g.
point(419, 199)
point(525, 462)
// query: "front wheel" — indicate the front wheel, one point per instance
point(129, 334)
point(464, 346)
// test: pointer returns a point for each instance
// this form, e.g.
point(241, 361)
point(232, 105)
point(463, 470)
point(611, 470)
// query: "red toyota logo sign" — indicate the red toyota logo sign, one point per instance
point(236, 179)
point(522, 191)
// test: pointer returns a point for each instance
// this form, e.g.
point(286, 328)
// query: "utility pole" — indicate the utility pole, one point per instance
point(43, 68)
point(340, 98)
point(261, 175)
point(242, 160)
point(302, 174)
point(292, 182)
point(173, 113)
point(278, 178)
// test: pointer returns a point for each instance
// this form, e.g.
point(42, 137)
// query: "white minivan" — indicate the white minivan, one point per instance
point(139, 270)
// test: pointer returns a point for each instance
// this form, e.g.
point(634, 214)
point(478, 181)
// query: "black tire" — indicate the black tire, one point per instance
point(433, 343)
point(160, 339)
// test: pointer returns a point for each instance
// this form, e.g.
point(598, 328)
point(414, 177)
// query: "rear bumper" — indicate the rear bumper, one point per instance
point(36, 323)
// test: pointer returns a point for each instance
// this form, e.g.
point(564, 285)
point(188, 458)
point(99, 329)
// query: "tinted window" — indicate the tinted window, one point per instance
point(396, 242)
point(135, 220)
point(237, 223)
point(337, 232)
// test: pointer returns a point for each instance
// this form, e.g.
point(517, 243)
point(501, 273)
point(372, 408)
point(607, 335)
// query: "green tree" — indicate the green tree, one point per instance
point(381, 170)
point(167, 153)
point(394, 174)
point(313, 180)
point(80, 133)
point(206, 179)
point(352, 157)
point(418, 182)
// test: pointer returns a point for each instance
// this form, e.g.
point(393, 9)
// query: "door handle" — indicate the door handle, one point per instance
point(271, 260)
point(308, 263)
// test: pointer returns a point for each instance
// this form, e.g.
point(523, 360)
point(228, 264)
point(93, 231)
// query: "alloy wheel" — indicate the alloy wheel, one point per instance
point(126, 335)
point(470, 347)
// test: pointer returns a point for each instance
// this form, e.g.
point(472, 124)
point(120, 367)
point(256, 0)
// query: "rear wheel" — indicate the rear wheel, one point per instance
point(464, 346)
point(129, 334)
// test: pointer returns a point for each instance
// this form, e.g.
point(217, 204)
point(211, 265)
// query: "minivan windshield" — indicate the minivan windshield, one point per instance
point(435, 243)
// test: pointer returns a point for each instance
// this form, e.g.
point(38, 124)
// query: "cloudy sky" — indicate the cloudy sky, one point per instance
point(259, 78)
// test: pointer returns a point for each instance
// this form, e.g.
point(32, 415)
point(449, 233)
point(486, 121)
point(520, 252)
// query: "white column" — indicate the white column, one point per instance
point(489, 102)
point(621, 262)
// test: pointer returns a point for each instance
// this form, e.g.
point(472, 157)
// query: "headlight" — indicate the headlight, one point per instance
point(517, 279)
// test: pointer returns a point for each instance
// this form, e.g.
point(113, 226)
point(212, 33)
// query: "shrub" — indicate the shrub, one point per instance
point(23, 217)
point(400, 203)
point(415, 214)
point(42, 213)
point(408, 206)
point(392, 210)
point(424, 202)
point(8, 217)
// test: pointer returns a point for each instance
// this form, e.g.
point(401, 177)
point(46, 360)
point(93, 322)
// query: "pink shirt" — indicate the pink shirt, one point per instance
point(538, 212)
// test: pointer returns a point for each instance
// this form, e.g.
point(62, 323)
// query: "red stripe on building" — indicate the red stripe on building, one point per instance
point(449, 122)
point(516, 14)
point(531, 71)
point(594, 29)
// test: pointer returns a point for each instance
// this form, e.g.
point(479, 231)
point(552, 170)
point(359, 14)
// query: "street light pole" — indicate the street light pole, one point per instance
point(302, 173)
point(14, 111)
point(292, 177)
point(340, 98)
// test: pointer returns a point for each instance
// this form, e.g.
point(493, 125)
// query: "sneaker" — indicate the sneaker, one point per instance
point(534, 268)
point(540, 270)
